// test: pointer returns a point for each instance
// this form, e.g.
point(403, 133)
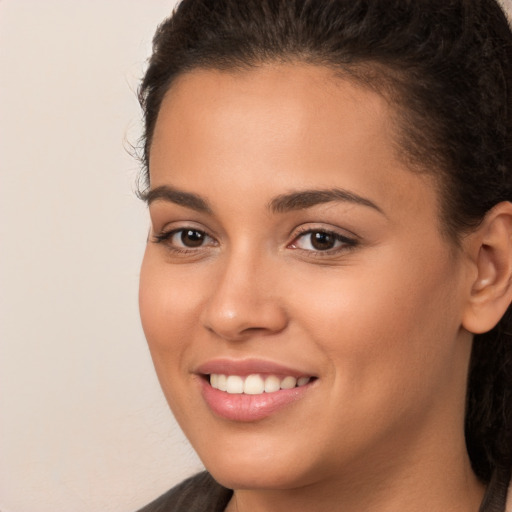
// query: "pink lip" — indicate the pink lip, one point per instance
point(246, 367)
point(247, 408)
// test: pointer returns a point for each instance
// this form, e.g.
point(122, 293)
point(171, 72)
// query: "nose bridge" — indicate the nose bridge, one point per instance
point(244, 300)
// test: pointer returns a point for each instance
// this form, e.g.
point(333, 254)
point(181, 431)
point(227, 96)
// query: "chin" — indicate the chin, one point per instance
point(258, 462)
point(249, 475)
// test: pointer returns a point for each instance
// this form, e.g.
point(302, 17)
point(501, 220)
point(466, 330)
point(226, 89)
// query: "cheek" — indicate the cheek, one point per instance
point(168, 304)
point(385, 327)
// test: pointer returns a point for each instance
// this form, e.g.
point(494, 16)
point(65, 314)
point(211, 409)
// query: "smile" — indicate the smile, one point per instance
point(255, 384)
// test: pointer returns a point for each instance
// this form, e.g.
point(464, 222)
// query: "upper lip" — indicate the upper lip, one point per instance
point(245, 367)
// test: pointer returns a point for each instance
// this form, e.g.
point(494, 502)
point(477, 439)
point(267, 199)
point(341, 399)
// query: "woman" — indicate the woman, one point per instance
point(329, 255)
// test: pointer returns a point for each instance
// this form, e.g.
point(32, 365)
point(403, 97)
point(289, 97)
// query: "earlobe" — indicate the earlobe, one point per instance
point(491, 289)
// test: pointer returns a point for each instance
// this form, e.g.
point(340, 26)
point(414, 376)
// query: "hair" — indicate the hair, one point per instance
point(446, 65)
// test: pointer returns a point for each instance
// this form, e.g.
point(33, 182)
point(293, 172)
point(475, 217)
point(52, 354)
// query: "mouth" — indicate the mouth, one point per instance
point(252, 390)
point(255, 384)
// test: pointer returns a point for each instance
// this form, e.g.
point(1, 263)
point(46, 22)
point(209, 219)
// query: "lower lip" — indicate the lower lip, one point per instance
point(246, 408)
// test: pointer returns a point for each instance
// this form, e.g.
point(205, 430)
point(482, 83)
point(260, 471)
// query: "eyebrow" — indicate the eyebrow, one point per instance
point(176, 196)
point(304, 199)
point(299, 200)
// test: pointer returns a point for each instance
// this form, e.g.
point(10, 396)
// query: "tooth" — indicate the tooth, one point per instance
point(234, 384)
point(302, 381)
point(254, 385)
point(272, 384)
point(288, 383)
point(221, 382)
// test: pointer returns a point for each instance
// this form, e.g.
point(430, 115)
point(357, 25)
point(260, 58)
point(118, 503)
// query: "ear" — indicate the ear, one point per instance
point(490, 249)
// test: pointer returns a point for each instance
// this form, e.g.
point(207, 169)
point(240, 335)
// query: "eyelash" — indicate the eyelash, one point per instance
point(345, 242)
point(166, 238)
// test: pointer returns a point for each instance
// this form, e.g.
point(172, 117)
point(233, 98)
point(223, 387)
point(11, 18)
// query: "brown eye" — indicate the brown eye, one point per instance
point(192, 237)
point(185, 239)
point(322, 241)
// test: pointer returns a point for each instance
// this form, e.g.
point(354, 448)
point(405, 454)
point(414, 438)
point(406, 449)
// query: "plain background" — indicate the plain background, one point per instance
point(83, 423)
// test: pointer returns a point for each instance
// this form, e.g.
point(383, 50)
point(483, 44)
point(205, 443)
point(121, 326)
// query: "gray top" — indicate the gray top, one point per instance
point(200, 493)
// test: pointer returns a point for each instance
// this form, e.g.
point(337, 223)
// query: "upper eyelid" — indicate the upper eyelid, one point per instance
point(172, 231)
point(338, 236)
point(179, 225)
point(313, 227)
point(347, 242)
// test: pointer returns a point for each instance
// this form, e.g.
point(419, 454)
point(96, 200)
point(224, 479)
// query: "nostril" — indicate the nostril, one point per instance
point(245, 324)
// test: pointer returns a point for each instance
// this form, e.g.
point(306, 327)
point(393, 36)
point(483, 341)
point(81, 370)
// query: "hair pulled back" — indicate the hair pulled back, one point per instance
point(446, 65)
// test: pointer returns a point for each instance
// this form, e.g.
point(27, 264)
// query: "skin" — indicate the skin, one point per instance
point(379, 322)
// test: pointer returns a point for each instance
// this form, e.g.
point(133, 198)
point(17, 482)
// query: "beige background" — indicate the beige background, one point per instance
point(83, 424)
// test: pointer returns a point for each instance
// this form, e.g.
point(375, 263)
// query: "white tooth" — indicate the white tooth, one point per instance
point(254, 385)
point(288, 383)
point(221, 382)
point(214, 378)
point(272, 384)
point(302, 381)
point(234, 385)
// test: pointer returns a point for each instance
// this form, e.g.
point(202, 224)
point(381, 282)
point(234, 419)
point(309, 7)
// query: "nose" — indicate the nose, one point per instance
point(244, 301)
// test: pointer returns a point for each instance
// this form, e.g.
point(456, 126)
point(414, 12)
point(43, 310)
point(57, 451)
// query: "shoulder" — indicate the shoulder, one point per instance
point(200, 493)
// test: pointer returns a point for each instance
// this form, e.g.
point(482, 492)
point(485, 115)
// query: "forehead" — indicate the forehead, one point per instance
point(280, 126)
point(286, 103)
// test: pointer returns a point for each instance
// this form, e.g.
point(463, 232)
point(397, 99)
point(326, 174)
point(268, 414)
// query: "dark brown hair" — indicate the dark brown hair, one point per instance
point(447, 67)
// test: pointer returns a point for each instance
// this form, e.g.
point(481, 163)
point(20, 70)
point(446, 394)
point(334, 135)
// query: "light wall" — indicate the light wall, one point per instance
point(83, 424)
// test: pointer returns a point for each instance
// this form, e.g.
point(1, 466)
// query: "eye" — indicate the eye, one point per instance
point(321, 240)
point(185, 238)
point(189, 238)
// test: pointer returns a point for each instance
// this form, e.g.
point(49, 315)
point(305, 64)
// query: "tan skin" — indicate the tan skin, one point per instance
point(381, 313)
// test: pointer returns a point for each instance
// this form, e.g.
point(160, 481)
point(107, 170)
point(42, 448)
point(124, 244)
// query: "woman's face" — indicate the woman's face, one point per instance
point(289, 241)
